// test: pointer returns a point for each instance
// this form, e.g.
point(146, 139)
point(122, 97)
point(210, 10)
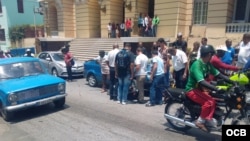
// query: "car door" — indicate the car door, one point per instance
point(46, 61)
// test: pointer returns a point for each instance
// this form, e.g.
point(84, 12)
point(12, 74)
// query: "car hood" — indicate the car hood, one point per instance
point(77, 63)
point(28, 82)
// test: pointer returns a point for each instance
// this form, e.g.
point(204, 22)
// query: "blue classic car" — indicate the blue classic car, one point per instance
point(93, 75)
point(24, 83)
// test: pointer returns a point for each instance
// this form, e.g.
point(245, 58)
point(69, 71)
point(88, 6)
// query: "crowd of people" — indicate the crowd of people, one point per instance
point(147, 27)
point(192, 71)
point(117, 30)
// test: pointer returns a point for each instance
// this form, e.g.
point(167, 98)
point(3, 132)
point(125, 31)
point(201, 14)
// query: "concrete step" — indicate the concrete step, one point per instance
point(88, 48)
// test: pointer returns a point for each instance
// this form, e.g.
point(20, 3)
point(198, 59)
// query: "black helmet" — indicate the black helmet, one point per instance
point(206, 50)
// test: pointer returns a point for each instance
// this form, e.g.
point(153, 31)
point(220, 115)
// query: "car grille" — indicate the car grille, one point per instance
point(78, 67)
point(32, 93)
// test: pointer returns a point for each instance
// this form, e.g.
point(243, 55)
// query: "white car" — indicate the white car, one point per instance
point(54, 63)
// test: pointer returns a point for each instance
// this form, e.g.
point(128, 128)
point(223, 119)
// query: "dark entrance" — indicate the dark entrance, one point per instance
point(151, 8)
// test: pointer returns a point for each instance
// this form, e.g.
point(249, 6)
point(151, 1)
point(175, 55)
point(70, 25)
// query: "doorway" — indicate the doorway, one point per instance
point(151, 8)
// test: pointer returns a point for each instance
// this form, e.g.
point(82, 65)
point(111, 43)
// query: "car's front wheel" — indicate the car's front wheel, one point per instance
point(92, 81)
point(55, 72)
point(59, 103)
point(6, 115)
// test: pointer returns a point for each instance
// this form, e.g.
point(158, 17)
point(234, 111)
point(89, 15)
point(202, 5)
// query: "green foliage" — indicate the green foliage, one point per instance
point(16, 33)
point(19, 32)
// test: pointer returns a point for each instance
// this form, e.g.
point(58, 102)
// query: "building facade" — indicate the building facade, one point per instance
point(17, 12)
point(216, 20)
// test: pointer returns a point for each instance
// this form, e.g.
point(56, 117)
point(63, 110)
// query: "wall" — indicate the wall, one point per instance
point(113, 13)
point(87, 19)
point(11, 17)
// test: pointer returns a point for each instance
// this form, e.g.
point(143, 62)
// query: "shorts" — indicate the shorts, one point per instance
point(139, 25)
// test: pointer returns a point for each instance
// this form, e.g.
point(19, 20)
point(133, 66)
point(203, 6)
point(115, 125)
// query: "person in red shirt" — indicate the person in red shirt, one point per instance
point(218, 64)
point(68, 59)
point(128, 24)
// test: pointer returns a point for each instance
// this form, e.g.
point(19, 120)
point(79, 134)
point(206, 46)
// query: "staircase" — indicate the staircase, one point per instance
point(88, 48)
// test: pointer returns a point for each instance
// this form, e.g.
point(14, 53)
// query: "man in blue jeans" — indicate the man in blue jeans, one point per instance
point(124, 65)
point(157, 77)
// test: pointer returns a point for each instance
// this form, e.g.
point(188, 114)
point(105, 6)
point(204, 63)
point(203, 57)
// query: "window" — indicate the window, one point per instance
point(20, 6)
point(2, 35)
point(241, 11)
point(1, 11)
point(200, 11)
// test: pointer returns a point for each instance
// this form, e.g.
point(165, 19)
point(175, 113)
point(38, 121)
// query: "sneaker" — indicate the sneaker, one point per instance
point(124, 103)
point(149, 105)
point(118, 102)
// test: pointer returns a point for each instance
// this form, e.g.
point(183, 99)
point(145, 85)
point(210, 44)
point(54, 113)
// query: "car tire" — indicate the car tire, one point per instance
point(54, 72)
point(59, 103)
point(92, 81)
point(6, 115)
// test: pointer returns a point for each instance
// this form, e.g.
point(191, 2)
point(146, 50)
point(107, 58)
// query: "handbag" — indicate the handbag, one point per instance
point(72, 62)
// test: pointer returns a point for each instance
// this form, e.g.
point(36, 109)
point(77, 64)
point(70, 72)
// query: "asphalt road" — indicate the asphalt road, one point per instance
point(90, 116)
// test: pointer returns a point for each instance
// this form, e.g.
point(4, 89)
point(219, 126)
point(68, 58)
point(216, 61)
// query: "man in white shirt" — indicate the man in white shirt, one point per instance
point(109, 27)
point(179, 61)
point(145, 24)
point(203, 43)
point(157, 78)
point(140, 72)
point(113, 81)
point(244, 51)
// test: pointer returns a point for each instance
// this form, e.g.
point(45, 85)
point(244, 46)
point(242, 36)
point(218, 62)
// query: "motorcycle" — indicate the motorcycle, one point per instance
point(181, 112)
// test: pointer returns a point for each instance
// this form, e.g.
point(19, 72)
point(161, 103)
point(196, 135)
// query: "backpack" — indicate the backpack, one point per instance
point(123, 60)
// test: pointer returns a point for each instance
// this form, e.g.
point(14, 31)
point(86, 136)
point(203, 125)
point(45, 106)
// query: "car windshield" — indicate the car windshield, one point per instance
point(59, 57)
point(17, 70)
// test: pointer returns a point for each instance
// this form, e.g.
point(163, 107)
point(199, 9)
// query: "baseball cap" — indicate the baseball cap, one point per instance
point(221, 47)
point(179, 34)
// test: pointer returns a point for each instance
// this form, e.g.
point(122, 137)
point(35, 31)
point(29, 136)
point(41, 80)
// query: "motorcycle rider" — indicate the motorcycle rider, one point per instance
point(198, 87)
point(218, 64)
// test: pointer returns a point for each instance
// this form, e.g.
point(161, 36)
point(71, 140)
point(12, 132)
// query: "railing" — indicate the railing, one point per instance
point(237, 27)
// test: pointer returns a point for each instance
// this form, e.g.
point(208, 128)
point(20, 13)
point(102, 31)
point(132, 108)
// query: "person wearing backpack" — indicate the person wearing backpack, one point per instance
point(68, 61)
point(124, 65)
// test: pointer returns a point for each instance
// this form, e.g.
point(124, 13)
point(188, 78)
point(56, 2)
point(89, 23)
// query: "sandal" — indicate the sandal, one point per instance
point(201, 126)
point(103, 91)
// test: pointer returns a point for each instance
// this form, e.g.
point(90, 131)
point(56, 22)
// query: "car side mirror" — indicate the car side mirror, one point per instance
point(48, 59)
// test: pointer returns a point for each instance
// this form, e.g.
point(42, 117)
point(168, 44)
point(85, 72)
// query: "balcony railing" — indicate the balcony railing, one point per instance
point(237, 27)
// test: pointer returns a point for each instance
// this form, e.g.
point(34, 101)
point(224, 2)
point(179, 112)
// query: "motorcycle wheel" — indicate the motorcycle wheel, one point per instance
point(179, 111)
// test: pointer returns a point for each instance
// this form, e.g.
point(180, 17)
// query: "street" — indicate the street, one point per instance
point(90, 116)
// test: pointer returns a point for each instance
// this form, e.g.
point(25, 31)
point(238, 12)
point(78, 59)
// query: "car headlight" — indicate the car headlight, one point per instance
point(12, 97)
point(61, 87)
point(248, 97)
